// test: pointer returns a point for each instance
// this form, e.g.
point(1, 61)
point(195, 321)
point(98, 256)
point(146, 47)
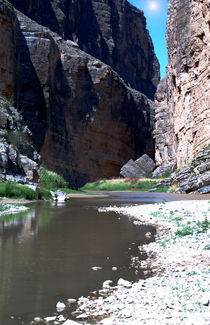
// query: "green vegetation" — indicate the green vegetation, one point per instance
point(12, 190)
point(52, 181)
point(121, 185)
point(207, 247)
point(193, 228)
point(207, 147)
point(4, 207)
point(167, 173)
point(45, 194)
point(161, 190)
point(70, 190)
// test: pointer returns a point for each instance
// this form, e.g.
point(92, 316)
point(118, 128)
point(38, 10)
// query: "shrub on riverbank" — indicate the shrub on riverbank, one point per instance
point(45, 194)
point(16, 191)
point(121, 184)
point(51, 180)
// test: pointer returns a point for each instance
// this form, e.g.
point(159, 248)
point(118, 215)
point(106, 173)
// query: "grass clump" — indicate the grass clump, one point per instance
point(194, 228)
point(51, 180)
point(12, 190)
point(120, 185)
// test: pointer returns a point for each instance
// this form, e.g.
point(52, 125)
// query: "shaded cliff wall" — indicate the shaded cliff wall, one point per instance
point(113, 31)
point(85, 120)
point(7, 60)
point(182, 98)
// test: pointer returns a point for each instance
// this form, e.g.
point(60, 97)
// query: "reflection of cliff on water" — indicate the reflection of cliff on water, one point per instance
point(20, 226)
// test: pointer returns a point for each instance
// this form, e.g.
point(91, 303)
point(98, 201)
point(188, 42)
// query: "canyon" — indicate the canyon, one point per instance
point(85, 119)
point(83, 77)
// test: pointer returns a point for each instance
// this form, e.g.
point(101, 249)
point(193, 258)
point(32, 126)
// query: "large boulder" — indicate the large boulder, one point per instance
point(139, 168)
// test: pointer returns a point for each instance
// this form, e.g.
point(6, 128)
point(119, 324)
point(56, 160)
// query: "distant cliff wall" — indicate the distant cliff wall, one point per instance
point(113, 31)
point(182, 98)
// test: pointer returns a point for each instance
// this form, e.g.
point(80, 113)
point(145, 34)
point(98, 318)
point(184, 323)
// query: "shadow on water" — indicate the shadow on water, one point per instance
point(47, 253)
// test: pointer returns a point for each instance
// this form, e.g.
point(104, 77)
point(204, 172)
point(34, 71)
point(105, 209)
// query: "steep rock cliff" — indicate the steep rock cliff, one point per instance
point(7, 60)
point(182, 99)
point(84, 119)
point(113, 31)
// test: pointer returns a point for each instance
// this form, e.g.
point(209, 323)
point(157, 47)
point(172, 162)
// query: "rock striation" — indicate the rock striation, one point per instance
point(85, 120)
point(113, 31)
point(182, 98)
point(195, 178)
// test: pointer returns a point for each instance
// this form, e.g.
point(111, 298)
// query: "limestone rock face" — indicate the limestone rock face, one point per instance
point(113, 31)
point(182, 99)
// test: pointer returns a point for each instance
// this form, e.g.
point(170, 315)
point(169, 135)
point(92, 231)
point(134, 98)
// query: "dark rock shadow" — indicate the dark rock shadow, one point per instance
point(29, 96)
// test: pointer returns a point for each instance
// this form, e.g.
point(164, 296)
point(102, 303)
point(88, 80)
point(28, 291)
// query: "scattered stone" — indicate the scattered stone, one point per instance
point(37, 319)
point(70, 322)
point(71, 301)
point(124, 283)
point(96, 268)
point(60, 306)
point(50, 319)
point(148, 235)
point(106, 284)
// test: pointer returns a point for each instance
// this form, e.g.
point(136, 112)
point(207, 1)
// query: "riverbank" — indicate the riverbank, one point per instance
point(177, 293)
point(10, 207)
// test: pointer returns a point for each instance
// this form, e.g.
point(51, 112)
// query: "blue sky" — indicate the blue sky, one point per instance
point(156, 14)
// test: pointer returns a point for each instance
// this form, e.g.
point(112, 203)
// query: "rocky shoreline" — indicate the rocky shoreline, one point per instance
point(176, 291)
point(11, 207)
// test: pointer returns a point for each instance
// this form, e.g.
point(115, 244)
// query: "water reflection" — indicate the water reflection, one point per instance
point(47, 254)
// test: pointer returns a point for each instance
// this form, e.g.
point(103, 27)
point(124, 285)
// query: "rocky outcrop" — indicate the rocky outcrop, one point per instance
point(113, 31)
point(18, 159)
point(139, 168)
point(194, 178)
point(84, 119)
point(182, 99)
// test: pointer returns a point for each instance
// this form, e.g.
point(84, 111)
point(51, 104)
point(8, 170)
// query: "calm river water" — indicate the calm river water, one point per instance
point(47, 253)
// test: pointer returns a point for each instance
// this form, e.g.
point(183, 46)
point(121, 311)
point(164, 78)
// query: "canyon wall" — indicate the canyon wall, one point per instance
point(182, 98)
point(85, 120)
point(7, 60)
point(113, 31)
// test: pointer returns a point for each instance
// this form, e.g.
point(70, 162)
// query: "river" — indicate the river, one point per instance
point(47, 253)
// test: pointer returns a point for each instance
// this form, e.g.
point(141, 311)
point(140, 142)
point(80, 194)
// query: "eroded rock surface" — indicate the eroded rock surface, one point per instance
point(182, 99)
point(196, 177)
point(113, 31)
point(84, 119)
